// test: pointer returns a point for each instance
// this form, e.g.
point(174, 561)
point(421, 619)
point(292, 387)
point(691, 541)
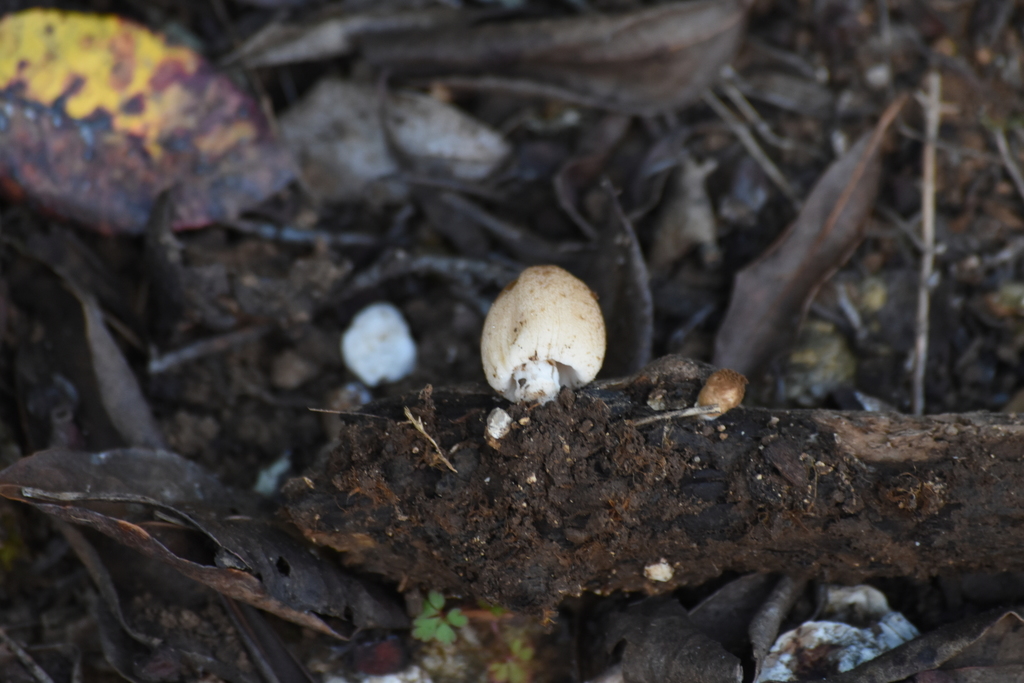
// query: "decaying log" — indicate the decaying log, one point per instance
point(587, 491)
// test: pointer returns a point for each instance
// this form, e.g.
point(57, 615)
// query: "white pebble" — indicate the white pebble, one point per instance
point(498, 424)
point(878, 76)
point(377, 346)
point(660, 571)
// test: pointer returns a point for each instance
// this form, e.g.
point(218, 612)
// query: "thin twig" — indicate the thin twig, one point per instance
point(954, 151)
point(1008, 161)
point(932, 102)
point(418, 424)
point(750, 113)
point(672, 414)
point(292, 235)
point(205, 347)
point(25, 658)
point(908, 226)
point(746, 138)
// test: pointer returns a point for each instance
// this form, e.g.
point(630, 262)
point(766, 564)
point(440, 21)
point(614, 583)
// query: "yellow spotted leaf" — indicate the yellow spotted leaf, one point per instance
point(99, 114)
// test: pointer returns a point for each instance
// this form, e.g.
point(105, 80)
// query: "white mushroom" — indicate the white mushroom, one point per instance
point(545, 331)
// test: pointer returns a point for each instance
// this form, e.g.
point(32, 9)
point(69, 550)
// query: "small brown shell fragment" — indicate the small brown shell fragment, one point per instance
point(724, 387)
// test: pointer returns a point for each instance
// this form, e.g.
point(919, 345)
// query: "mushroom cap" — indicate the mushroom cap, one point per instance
point(545, 317)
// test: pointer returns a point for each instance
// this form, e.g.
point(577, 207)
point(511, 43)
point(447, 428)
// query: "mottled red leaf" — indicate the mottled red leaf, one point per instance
point(98, 115)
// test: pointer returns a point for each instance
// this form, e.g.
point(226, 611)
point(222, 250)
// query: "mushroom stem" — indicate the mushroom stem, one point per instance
point(535, 380)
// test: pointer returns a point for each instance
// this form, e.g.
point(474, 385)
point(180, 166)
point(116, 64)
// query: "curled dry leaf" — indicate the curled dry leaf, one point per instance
point(250, 557)
point(663, 644)
point(98, 115)
point(137, 626)
point(120, 392)
point(771, 294)
point(725, 614)
point(339, 136)
point(640, 62)
point(985, 647)
point(764, 624)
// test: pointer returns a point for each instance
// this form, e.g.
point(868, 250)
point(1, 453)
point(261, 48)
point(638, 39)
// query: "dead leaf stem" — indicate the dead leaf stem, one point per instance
point(1008, 161)
point(932, 102)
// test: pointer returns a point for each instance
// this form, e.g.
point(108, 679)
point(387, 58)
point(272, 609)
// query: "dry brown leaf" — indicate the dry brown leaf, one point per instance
point(331, 33)
point(663, 644)
point(725, 614)
point(639, 62)
point(119, 389)
point(687, 219)
point(771, 294)
point(338, 135)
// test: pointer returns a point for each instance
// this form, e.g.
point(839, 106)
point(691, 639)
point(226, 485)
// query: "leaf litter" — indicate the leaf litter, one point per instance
point(770, 296)
point(224, 406)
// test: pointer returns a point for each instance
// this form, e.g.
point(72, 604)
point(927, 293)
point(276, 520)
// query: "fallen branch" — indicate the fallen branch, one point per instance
point(582, 494)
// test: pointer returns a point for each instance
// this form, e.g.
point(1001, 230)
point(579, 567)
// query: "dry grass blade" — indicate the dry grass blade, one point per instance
point(638, 62)
point(771, 294)
point(418, 424)
point(932, 106)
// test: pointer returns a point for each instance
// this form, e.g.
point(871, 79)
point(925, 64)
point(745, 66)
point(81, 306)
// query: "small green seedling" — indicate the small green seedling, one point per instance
point(434, 624)
point(516, 667)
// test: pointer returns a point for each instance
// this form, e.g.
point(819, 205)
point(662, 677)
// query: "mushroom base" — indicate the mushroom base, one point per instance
point(540, 381)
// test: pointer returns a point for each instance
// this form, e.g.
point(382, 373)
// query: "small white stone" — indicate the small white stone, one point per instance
point(661, 571)
point(498, 424)
point(878, 76)
point(377, 347)
point(269, 479)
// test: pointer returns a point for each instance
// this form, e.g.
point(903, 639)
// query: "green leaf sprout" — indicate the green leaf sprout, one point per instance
point(434, 624)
